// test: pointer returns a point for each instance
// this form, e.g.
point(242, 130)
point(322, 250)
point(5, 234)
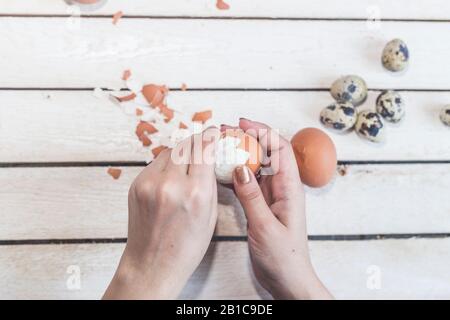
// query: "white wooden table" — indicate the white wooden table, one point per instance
point(382, 230)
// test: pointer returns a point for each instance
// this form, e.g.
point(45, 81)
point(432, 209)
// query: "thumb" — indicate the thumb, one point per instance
point(250, 196)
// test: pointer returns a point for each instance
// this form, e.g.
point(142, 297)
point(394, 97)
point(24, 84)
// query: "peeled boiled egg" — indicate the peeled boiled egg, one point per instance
point(316, 157)
point(236, 148)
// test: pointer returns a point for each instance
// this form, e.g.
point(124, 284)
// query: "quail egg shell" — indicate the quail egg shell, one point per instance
point(340, 116)
point(370, 126)
point(351, 89)
point(391, 106)
point(395, 55)
point(445, 115)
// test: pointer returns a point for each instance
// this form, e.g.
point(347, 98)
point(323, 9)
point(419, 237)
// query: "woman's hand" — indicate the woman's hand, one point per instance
point(172, 216)
point(275, 210)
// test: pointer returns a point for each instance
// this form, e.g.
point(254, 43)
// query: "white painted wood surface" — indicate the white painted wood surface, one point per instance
point(217, 53)
point(79, 127)
point(77, 203)
point(298, 53)
point(408, 269)
point(361, 9)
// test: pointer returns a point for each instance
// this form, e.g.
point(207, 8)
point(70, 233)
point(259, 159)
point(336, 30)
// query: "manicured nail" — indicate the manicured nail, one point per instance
point(242, 174)
point(244, 119)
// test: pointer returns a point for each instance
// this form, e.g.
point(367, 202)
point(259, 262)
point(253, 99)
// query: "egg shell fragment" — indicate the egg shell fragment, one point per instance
point(445, 115)
point(351, 89)
point(202, 116)
point(340, 116)
point(154, 94)
point(316, 157)
point(390, 105)
point(370, 126)
point(395, 55)
point(115, 173)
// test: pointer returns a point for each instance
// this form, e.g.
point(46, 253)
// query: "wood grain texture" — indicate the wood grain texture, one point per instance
point(217, 53)
point(76, 203)
point(51, 126)
point(403, 9)
point(407, 269)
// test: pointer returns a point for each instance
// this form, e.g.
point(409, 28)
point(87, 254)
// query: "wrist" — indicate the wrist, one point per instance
point(306, 286)
point(134, 280)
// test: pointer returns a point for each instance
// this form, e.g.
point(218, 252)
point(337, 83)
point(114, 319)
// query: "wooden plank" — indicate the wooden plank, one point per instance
point(49, 126)
point(290, 54)
point(434, 9)
point(407, 269)
point(64, 203)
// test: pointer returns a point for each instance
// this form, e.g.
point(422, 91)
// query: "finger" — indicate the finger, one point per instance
point(180, 157)
point(225, 127)
point(160, 162)
point(251, 198)
point(203, 156)
point(278, 151)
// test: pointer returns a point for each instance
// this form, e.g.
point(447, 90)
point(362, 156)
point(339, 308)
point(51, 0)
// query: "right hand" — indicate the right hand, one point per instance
point(275, 210)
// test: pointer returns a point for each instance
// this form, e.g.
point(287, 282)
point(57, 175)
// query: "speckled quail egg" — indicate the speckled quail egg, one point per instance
point(340, 116)
point(351, 89)
point(370, 126)
point(445, 115)
point(391, 106)
point(395, 55)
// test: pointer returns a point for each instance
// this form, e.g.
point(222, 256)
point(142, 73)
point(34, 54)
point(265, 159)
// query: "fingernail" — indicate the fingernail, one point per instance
point(244, 119)
point(242, 174)
point(210, 127)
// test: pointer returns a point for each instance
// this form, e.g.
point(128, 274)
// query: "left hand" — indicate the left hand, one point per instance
point(172, 216)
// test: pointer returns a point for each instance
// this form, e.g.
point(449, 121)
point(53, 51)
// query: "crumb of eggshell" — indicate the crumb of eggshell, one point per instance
point(129, 97)
point(167, 112)
point(126, 75)
point(156, 151)
point(182, 125)
point(115, 173)
point(139, 112)
point(117, 16)
point(146, 142)
point(222, 5)
point(145, 127)
point(183, 87)
point(202, 116)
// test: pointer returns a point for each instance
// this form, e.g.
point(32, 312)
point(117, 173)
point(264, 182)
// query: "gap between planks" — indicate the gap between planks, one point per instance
point(262, 18)
point(102, 164)
point(350, 237)
point(68, 89)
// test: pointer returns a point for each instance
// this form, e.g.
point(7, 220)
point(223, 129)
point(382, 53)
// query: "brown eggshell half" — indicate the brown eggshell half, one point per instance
point(316, 157)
